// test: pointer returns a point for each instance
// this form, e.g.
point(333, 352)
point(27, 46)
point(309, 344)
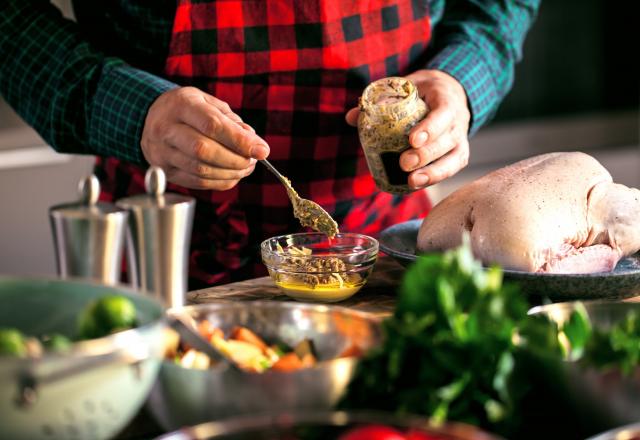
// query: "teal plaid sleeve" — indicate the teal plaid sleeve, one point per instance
point(77, 99)
point(478, 43)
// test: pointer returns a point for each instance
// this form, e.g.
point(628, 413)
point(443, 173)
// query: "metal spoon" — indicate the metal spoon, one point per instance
point(308, 212)
point(193, 338)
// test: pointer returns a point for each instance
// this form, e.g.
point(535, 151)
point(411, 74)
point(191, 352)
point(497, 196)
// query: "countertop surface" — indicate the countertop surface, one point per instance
point(376, 296)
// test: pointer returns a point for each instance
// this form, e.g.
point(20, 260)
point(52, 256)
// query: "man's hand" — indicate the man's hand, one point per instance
point(439, 141)
point(198, 141)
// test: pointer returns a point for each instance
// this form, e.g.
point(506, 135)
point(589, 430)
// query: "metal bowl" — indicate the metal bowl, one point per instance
point(627, 432)
point(184, 396)
point(91, 391)
point(310, 279)
point(603, 398)
point(323, 425)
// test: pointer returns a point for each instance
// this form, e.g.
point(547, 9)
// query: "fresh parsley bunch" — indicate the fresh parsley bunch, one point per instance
point(454, 346)
point(616, 348)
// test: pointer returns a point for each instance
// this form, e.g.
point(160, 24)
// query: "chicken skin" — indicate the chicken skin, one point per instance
point(554, 213)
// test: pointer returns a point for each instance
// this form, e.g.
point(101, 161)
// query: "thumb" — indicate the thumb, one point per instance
point(352, 116)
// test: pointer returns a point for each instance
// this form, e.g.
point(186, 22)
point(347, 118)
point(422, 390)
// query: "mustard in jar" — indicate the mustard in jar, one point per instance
point(389, 108)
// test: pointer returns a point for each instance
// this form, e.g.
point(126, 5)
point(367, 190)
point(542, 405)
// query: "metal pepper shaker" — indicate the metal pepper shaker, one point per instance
point(89, 236)
point(158, 239)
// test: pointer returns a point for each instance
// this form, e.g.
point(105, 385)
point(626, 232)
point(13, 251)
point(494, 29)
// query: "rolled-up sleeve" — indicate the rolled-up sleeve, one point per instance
point(79, 100)
point(478, 43)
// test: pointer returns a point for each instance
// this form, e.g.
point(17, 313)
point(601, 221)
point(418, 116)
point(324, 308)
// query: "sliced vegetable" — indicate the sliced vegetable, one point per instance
point(207, 330)
point(288, 362)
point(304, 348)
point(292, 362)
point(171, 342)
point(352, 351)
point(195, 359)
point(247, 350)
point(244, 354)
point(246, 335)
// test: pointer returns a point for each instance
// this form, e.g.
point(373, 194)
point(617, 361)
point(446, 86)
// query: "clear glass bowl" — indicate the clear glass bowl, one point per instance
point(319, 425)
point(311, 267)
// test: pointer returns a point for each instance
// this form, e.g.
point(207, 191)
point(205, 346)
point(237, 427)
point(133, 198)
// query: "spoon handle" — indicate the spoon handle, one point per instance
point(193, 338)
point(280, 177)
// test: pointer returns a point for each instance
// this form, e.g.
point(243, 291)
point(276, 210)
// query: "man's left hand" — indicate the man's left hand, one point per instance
point(440, 147)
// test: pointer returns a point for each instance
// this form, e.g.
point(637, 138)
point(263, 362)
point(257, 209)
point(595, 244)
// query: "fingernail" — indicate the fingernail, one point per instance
point(420, 180)
point(259, 151)
point(411, 161)
point(252, 161)
point(420, 138)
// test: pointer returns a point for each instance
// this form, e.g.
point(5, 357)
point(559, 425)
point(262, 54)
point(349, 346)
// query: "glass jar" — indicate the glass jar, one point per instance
point(389, 108)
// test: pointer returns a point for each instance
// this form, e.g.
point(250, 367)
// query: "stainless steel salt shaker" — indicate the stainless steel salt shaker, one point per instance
point(158, 239)
point(89, 236)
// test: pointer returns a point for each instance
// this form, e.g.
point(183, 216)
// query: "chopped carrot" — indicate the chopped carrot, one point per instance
point(308, 360)
point(206, 329)
point(217, 333)
point(288, 362)
point(351, 351)
point(246, 335)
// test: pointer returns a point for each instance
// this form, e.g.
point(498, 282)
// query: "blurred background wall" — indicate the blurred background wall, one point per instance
point(577, 88)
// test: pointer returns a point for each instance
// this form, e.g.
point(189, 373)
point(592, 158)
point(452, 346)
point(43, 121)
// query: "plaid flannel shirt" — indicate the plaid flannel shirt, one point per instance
point(86, 87)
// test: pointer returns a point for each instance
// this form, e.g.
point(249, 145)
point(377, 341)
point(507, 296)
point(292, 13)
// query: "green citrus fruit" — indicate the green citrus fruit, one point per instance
point(107, 315)
point(12, 342)
point(57, 342)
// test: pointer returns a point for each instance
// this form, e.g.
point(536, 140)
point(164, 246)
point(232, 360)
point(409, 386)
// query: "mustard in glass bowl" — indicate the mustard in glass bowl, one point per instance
point(309, 266)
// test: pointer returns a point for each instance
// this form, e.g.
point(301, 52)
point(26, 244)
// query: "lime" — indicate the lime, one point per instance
point(12, 342)
point(56, 342)
point(116, 312)
point(87, 325)
point(107, 315)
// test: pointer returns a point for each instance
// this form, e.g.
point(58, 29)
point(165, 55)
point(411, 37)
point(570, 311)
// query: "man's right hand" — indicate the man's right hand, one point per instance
point(198, 141)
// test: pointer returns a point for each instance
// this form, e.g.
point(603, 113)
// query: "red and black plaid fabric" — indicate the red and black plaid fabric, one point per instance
point(290, 69)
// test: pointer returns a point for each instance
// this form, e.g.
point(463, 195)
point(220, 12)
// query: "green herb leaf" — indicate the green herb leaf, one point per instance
point(577, 331)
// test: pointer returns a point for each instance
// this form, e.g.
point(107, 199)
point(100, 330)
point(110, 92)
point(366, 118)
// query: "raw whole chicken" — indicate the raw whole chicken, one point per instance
point(556, 213)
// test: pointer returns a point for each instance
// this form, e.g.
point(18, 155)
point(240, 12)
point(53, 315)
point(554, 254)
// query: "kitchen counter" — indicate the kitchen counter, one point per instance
point(376, 296)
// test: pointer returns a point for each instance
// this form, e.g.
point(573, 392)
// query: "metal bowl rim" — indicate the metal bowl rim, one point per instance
point(237, 424)
point(614, 434)
point(319, 308)
point(588, 304)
